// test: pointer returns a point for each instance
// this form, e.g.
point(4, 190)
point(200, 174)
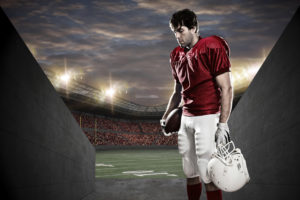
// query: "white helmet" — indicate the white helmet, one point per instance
point(227, 168)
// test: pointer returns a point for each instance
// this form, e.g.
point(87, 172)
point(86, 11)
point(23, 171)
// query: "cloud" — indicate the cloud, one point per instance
point(168, 7)
point(129, 41)
point(72, 7)
point(113, 7)
point(127, 33)
point(62, 13)
point(151, 96)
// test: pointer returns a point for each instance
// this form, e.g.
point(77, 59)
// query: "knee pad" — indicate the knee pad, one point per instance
point(203, 171)
point(203, 156)
point(190, 167)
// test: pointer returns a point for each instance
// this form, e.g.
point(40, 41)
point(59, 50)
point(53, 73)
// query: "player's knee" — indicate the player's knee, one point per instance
point(203, 171)
point(189, 173)
point(189, 168)
point(183, 151)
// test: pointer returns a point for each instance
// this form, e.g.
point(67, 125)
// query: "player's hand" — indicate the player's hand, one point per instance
point(163, 125)
point(222, 135)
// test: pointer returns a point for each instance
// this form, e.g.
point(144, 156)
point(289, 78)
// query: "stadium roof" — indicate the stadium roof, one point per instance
point(81, 92)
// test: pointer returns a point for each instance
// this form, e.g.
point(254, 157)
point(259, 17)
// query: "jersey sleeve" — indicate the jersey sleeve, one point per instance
point(218, 57)
point(173, 68)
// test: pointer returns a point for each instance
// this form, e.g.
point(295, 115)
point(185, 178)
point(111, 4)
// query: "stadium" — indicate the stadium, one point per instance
point(64, 139)
point(114, 123)
point(121, 125)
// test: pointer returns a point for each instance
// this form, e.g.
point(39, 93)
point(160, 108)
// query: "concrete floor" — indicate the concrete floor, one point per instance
point(140, 189)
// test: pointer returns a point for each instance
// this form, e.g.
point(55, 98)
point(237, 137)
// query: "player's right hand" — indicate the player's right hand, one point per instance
point(163, 125)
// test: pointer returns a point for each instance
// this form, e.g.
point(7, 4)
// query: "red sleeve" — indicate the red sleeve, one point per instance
point(173, 68)
point(218, 53)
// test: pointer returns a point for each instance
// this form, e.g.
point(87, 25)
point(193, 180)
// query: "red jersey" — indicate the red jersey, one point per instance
point(196, 69)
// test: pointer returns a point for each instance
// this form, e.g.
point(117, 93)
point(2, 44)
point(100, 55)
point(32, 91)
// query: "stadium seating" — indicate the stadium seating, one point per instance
point(102, 130)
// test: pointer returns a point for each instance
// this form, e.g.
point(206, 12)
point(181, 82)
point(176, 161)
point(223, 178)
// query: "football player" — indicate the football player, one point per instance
point(201, 70)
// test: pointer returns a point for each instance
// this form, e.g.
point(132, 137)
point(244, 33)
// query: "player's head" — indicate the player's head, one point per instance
point(184, 24)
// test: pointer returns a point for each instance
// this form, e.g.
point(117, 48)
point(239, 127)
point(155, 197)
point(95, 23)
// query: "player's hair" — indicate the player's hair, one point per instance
point(184, 17)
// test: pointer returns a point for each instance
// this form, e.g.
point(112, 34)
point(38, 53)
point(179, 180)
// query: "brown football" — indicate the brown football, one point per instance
point(173, 120)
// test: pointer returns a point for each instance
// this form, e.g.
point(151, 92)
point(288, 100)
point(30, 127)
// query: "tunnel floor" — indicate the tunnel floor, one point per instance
point(139, 189)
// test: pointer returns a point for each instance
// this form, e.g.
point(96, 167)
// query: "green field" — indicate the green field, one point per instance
point(139, 164)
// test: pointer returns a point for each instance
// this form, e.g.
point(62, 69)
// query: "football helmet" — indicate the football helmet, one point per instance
point(227, 168)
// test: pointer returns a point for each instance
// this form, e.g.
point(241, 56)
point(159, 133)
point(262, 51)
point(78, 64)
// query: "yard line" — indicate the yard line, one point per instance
point(103, 165)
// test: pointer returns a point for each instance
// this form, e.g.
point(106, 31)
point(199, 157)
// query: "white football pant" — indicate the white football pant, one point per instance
point(196, 144)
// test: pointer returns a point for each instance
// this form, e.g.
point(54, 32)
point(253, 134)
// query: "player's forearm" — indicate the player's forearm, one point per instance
point(226, 104)
point(173, 103)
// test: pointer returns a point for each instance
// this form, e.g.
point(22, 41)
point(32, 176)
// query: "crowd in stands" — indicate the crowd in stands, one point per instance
point(102, 130)
point(150, 127)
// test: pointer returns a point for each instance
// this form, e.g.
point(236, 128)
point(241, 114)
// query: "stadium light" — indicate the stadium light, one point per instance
point(65, 78)
point(110, 92)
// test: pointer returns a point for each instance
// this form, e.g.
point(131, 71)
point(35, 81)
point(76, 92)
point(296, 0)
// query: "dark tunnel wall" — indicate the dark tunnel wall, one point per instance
point(43, 152)
point(266, 124)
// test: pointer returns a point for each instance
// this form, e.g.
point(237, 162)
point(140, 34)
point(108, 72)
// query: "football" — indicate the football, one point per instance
point(173, 120)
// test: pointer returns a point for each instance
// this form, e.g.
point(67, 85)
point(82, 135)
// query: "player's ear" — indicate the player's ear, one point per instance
point(194, 29)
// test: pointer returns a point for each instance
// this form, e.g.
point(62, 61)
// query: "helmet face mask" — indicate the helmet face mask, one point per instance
point(227, 168)
point(224, 152)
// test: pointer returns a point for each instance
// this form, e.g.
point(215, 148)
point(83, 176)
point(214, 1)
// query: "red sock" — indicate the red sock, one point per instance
point(194, 191)
point(214, 195)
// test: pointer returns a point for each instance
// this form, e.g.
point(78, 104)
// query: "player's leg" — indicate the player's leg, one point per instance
point(186, 147)
point(205, 128)
point(212, 192)
point(194, 188)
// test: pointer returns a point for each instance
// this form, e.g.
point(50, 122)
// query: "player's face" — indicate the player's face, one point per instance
point(184, 36)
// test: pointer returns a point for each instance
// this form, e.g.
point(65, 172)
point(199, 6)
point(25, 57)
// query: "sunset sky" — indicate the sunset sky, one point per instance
point(126, 43)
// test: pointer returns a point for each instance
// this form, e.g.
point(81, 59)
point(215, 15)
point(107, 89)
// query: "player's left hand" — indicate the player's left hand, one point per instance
point(222, 135)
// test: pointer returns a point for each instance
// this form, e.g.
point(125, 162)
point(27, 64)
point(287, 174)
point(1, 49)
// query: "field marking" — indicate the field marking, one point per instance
point(147, 173)
point(103, 165)
point(138, 172)
point(152, 174)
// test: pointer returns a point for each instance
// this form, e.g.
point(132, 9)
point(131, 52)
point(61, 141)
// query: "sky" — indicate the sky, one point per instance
point(125, 44)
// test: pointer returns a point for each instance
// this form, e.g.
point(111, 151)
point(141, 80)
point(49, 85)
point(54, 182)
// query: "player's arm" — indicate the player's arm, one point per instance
point(222, 135)
point(174, 100)
point(224, 83)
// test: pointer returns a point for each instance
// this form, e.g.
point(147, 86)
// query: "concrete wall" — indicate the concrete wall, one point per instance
point(43, 152)
point(266, 124)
